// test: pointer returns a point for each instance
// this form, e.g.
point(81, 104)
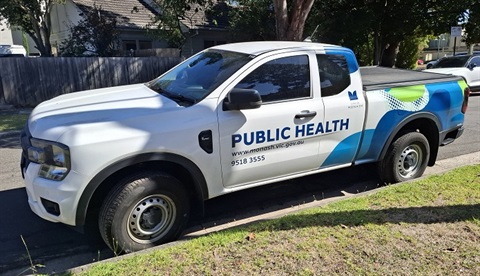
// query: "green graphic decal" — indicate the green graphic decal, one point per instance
point(463, 85)
point(396, 104)
point(408, 93)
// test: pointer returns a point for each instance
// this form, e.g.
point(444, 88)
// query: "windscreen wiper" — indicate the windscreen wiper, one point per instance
point(176, 97)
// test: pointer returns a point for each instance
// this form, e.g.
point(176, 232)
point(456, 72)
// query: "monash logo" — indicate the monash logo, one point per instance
point(353, 95)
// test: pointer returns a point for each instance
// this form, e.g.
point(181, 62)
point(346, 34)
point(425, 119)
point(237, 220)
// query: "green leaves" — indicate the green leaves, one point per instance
point(374, 28)
point(33, 16)
point(176, 19)
point(95, 35)
point(472, 27)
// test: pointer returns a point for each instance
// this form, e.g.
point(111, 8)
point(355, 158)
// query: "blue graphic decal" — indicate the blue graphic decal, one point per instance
point(348, 54)
point(381, 133)
point(344, 152)
point(445, 101)
point(446, 97)
point(366, 142)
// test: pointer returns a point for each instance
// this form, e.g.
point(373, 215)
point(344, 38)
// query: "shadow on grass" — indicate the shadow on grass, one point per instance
point(410, 215)
point(10, 140)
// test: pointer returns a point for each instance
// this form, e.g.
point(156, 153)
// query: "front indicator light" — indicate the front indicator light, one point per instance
point(53, 157)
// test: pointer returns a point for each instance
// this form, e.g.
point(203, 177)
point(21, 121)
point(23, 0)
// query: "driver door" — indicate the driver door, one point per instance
point(279, 138)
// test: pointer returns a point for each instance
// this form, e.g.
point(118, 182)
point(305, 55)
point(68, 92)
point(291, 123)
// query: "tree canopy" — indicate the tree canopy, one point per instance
point(472, 27)
point(33, 16)
point(376, 28)
point(269, 19)
point(95, 35)
point(171, 14)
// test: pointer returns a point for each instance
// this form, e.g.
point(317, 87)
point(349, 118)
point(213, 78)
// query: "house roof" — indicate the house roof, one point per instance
point(198, 18)
point(129, 13)
point(139, 13)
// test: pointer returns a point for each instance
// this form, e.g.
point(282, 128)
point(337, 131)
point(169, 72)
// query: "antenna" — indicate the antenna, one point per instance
point(310, 37)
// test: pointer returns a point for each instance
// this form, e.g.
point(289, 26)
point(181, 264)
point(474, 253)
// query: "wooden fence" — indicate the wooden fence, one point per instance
point(26, 82)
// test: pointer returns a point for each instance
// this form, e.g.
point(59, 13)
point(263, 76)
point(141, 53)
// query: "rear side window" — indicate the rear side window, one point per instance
point(476, 61)
point(334, 74)
point(280, 79)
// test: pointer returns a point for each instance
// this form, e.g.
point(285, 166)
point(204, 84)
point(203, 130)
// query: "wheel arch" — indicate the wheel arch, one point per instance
point(424, 122)
point(180, 167)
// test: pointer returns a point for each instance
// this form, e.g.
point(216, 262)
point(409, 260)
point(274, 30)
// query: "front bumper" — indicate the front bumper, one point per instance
point(63, 193)
point(43, 193)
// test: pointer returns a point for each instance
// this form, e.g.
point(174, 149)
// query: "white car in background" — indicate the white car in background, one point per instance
point(12, 51)
point(466, 66)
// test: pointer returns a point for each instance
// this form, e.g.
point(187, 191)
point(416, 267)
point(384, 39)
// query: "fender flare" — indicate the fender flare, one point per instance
point(199, 183)
point(403, 123)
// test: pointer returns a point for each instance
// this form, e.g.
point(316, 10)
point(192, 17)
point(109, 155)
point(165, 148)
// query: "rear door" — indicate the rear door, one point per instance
point(344, 106)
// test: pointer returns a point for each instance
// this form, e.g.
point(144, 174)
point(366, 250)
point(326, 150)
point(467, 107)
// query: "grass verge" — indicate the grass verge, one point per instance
point(12, 121)
point(426, 227)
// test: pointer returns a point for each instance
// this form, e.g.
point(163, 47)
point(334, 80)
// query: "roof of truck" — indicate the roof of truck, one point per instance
point(260, 47)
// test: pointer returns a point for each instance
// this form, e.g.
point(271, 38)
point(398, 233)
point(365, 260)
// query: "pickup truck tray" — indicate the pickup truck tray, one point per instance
point(376, 77)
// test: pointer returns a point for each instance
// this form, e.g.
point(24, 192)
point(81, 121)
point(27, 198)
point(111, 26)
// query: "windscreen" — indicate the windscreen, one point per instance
point(198, 76)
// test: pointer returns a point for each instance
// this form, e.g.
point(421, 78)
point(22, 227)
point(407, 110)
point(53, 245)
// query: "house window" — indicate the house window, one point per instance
point(129, 45)
point(144, 44)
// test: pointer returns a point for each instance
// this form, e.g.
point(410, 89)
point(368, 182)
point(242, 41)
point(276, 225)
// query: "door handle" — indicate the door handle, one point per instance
point(306, 114)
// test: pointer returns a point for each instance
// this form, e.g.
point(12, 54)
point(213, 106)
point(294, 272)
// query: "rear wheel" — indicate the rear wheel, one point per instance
point(143, 211)
point(406, 159)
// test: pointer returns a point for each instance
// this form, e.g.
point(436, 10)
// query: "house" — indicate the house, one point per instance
point(15, 36)
point(204, 31)
point(446, 45)
point(133, 19)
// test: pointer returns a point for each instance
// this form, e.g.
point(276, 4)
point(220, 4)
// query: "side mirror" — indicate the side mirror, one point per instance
point(239, 99)
point(471, 66)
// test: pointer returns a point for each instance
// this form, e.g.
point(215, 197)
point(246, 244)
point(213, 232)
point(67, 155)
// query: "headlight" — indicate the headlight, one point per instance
point(54, 158)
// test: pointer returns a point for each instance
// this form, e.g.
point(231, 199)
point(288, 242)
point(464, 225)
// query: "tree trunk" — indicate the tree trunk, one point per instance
point(290, 26)
point(389, 55)
point(281, 18)
point(377, 48)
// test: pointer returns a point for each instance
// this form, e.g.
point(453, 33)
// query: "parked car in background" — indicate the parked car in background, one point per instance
point(431, 63)
point(12, 51)
point(466, 66)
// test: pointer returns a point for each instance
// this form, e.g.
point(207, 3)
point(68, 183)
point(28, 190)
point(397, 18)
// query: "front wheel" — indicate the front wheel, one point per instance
point(143, 211)
point(406, 159)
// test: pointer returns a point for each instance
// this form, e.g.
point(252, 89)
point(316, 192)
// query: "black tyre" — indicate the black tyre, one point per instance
point(406, 159)
point(143, 211)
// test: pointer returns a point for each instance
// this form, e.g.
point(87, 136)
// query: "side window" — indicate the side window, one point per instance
point(280, 79)
point(334, 74)
point(476, 61)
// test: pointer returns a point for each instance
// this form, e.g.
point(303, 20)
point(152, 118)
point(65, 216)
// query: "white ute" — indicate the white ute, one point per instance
point(137, 160)
point(466, 66)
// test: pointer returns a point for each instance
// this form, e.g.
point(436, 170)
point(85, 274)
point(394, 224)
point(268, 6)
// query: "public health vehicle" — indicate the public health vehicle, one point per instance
point(136, 160)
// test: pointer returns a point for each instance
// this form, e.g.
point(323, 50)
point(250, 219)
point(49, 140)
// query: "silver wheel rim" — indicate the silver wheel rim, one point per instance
point(151, 218)
point(410, 161)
